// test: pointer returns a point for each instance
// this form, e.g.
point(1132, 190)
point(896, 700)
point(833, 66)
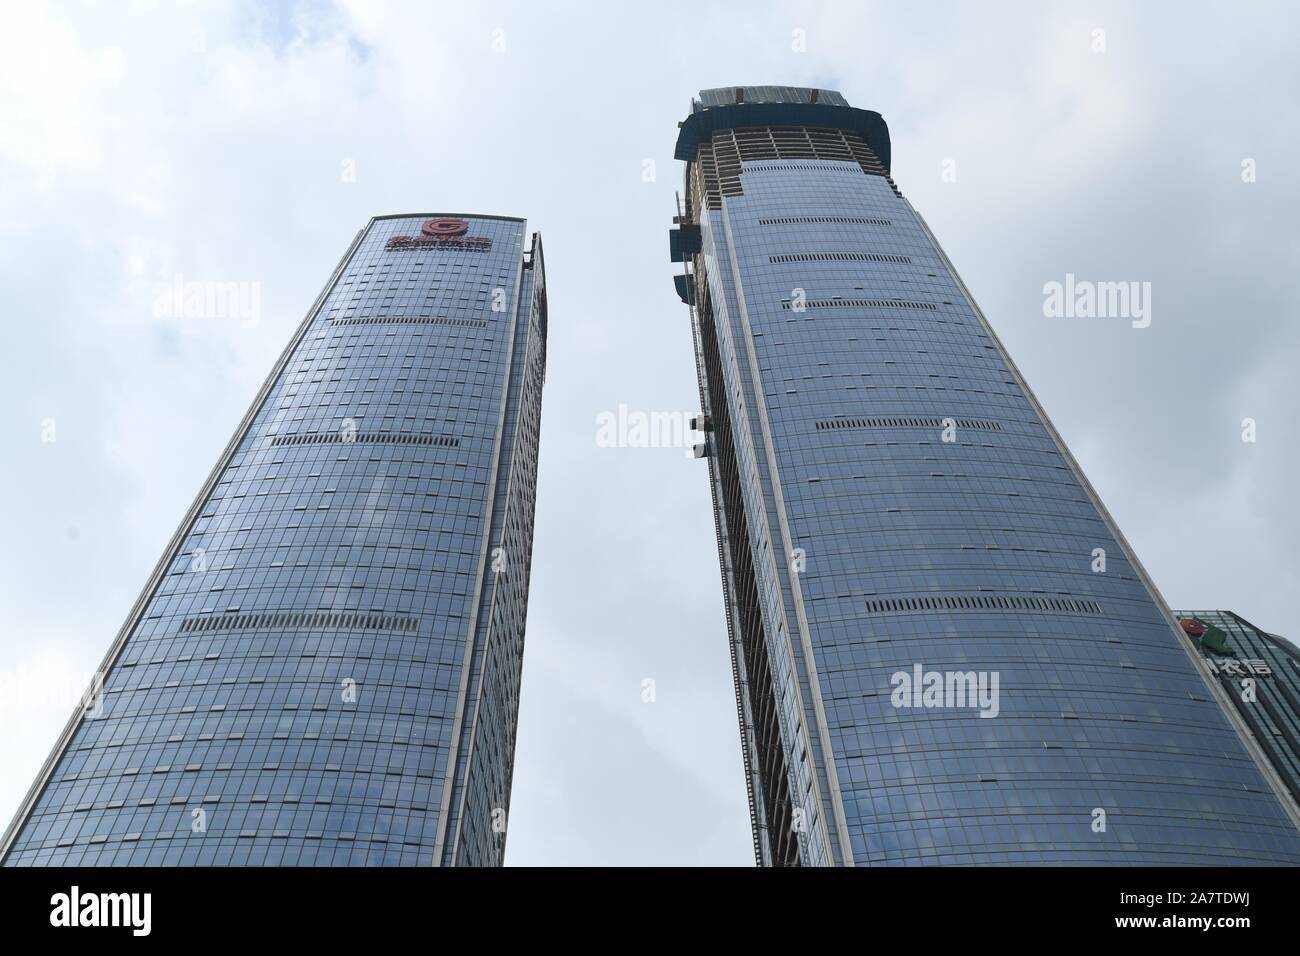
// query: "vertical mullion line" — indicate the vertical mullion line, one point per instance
point(819, 712)
point(740, 664)
point(514, 449)
point(454, 756)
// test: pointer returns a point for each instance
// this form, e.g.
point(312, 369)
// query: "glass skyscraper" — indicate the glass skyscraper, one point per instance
point(1260, 674)
point(324, 668)
point(944, 651)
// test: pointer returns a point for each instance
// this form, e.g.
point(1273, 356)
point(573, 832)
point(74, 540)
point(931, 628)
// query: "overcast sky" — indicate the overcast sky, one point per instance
point(140, 142)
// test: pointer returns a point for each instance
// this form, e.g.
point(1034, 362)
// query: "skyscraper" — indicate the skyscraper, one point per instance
point(944, 650)
point(1260, 674)
point(324, 668)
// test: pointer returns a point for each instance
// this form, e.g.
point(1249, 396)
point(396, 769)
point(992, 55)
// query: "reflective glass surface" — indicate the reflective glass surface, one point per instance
point(907, 506)
point(333, 648)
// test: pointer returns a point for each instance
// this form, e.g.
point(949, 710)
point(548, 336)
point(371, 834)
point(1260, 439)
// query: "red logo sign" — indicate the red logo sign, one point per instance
point(442, 232)
point(445, 227)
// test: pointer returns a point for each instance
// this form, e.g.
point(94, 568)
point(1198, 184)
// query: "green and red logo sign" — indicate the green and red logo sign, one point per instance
point(1206, 635)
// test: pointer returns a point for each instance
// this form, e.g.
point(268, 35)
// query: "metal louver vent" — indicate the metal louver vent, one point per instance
point(838, 257)
point(410, 320)
point(352, 621)
point(363, 438)
point(862, 304)
point(807, 220)
point(828, 424)
point(981, 602)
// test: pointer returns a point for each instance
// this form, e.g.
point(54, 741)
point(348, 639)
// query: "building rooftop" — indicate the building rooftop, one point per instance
point(736, 107)
point(731, 95)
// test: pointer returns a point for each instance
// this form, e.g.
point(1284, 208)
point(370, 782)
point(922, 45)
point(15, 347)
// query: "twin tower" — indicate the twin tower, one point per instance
point(931, 665)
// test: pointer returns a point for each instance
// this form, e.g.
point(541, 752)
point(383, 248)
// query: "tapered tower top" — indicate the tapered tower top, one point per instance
point(736, 107)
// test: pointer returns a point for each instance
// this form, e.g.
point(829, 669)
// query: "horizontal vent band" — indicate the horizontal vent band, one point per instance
point(295, 619)
point(809, 167)
point(802, 220)
point(838, 257)
point(361, 438)
point(984, 603)
point(411, 320)
point(862, 304)
point(829, 424)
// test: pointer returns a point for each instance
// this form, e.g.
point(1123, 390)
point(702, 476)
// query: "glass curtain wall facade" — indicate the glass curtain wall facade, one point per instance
point(891, 503)
point(1260, 674)
point(324, 668)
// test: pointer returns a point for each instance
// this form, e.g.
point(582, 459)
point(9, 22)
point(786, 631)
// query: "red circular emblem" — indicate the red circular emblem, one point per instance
point(1193, 627)
point(444, 227)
